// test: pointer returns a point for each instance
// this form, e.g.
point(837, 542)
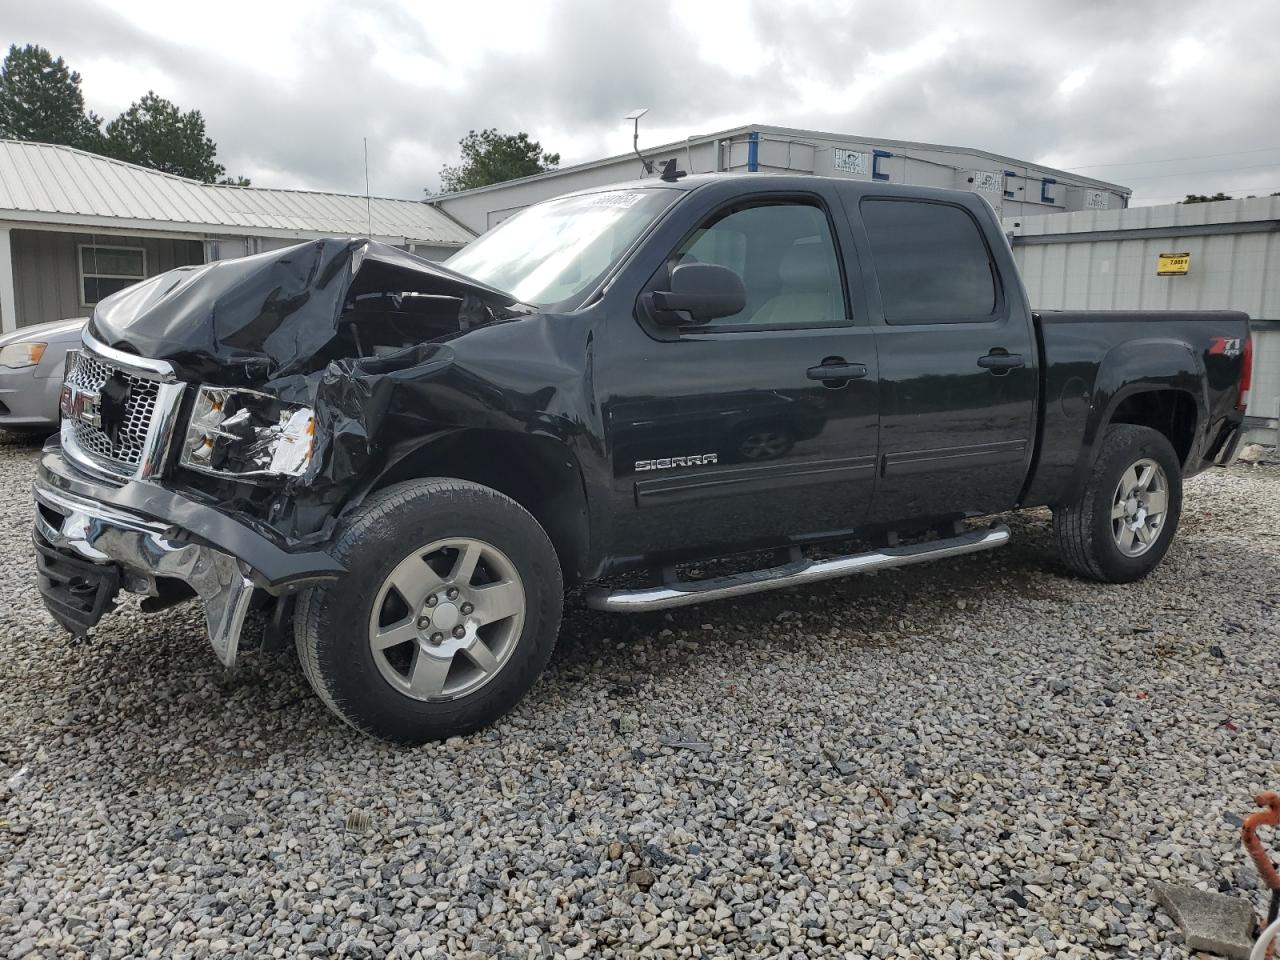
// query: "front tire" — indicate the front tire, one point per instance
point(447, 615)
point(1122, 524)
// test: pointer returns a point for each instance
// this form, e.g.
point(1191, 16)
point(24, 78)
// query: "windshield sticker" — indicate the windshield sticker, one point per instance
point(612, 199)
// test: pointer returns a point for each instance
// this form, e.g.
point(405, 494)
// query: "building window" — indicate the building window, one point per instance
point(106, 270)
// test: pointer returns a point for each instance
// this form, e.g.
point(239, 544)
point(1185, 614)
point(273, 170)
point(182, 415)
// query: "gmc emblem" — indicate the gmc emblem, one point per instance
point(80, 405)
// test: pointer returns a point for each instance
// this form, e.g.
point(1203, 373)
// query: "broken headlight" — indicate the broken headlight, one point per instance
point(247, 434)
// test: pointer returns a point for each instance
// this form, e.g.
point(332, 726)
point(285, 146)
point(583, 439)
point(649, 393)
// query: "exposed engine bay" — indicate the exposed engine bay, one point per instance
point(299, 363)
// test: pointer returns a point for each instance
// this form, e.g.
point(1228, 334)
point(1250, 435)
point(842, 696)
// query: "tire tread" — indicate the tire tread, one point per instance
point(1073, 523)
point(380, 509)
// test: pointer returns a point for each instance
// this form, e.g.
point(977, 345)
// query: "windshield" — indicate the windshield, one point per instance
point(554, 251)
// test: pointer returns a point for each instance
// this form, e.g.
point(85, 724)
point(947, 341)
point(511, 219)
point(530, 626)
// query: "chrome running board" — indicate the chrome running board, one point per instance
point(794, 574)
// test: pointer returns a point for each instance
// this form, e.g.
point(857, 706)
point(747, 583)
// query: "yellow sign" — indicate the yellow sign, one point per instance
point(1172, 264)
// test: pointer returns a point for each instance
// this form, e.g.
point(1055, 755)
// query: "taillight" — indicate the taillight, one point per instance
point(1246, 373)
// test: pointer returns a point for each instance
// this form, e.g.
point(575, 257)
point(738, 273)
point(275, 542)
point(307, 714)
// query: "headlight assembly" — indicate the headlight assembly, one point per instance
point(24, 354)
point(243, 433)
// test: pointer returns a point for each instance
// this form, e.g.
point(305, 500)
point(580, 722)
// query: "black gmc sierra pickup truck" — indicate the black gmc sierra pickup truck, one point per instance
point(406, 464)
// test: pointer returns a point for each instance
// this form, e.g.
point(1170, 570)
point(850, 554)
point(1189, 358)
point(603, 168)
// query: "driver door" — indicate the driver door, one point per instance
point(730, 434)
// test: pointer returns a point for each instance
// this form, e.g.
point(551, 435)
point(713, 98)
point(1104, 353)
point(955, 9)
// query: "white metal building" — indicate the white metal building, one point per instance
point(75, 226)
point(1014, 187)
point(1110, 260)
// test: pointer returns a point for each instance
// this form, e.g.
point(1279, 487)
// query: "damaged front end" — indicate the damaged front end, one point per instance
point(220, 419)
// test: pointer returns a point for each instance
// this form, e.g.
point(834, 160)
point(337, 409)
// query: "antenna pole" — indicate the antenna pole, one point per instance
point(634, 116)
point(368, 201)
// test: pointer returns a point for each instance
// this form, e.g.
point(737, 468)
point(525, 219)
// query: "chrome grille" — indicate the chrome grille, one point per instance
point(89, 373)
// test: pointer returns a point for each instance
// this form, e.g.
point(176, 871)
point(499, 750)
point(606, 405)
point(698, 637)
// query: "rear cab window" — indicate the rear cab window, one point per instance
point(931, 262)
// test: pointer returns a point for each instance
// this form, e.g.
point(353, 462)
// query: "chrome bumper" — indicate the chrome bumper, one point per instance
point(145, 550)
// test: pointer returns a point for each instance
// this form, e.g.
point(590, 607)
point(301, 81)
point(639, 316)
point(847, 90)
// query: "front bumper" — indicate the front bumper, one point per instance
point(94, 537)
point(75, 536)
point(28, 401)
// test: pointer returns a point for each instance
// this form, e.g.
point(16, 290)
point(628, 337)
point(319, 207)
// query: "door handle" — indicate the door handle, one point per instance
point(1000, 361)
point(838, 371)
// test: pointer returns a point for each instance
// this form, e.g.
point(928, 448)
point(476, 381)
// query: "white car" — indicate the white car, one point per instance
point(32, 360)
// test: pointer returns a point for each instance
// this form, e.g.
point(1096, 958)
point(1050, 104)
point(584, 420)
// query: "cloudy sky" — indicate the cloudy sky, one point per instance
point(1168, 98)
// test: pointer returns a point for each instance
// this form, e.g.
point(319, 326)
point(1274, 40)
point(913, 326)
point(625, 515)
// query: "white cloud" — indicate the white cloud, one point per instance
point(1074, 80)
point(289, 89)
point(1185, 55)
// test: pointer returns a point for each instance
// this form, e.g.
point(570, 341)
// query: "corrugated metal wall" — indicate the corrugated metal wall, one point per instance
point(46, 275)
point(1107, 261)
point(1228, 272)
point(1265, 395)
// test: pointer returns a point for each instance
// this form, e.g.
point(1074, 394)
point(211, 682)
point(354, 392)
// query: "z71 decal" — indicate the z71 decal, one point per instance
point(666, 463)
point(1227, 346)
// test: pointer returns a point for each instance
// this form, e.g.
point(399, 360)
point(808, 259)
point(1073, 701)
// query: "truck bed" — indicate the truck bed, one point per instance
point(1092, 361)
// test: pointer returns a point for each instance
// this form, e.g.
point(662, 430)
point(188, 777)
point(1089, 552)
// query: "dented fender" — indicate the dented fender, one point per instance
point(399, 359)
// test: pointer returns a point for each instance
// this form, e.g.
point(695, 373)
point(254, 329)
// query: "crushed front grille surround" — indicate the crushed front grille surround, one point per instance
point(151, 406)
point(89, 373)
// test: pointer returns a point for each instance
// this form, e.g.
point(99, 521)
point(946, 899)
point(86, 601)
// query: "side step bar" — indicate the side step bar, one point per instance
point(794, 574)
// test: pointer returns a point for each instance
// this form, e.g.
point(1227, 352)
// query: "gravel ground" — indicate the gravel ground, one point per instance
point(979, 758)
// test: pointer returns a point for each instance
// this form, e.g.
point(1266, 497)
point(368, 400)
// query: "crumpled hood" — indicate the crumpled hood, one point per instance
point(267, 314)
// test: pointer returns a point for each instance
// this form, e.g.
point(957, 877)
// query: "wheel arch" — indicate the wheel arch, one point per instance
point(538, 472)
point(1154, 382)
point(1170, 411)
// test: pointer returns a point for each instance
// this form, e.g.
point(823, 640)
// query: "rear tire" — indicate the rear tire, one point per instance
point(1125, 518)
point(447, 615)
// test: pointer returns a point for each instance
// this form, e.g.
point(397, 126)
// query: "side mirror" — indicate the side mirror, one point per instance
point(699, 292)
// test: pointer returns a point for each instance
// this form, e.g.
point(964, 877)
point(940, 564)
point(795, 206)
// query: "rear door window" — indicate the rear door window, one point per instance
point(931, 262)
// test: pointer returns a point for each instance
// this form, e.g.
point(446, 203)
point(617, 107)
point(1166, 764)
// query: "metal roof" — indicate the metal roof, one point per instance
point(47, 183)
point(792, 132)
point(1165, 219)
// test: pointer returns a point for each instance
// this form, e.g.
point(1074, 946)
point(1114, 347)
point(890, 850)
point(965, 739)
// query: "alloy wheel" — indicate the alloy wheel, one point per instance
point(1139, 506)
point(447, 619)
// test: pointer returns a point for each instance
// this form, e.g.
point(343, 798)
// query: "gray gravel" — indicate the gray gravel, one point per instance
point(980, 758)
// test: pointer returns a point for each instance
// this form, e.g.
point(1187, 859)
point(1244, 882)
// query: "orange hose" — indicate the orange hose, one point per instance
point(1269, 817)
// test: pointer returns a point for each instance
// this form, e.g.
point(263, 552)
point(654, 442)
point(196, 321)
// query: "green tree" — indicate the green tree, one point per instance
point(1202, 198)
point(493, 157)
point(40, 100)
point(235, 182)
point(154, 133)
